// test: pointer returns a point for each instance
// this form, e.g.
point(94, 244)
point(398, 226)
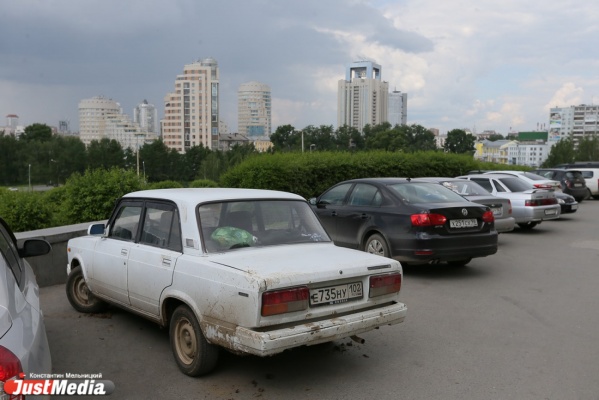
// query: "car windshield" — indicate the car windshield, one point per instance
point(516, 185)
point(418, 192)
point(573, 174)
point(466, 188)
point(250, 223)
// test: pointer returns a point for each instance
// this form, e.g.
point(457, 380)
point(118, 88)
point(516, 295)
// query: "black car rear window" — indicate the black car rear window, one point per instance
point(574, 174)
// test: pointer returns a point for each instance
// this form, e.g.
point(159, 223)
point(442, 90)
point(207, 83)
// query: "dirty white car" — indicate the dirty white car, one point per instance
point(252, 271)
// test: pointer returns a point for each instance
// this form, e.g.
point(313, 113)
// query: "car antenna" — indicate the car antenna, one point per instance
point(409, 179)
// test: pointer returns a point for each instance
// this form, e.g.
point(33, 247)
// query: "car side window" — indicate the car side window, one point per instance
point(336, 195)
point(161, 227)
point(126, 222)
point(365, 195)
point(10, 256)
point(484, 183)
point(498, 186)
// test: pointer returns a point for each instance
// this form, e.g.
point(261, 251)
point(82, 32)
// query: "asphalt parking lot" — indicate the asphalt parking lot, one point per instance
point(521, 324)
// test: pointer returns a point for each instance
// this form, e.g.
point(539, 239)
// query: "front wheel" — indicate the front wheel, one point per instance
point(528, 225)
point(79, 294)
point(376, 244)
point(193, 354)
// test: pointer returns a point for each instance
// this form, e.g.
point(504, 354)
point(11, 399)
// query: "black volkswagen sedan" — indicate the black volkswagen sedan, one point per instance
point(410, 220)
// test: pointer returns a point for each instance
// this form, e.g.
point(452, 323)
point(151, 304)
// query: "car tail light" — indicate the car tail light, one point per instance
point(540, 202)
point(488, 217)
point(509, 202)
point(384, 284)
point(428, 219)
point(284, 301)
point(10, 368)
point(542, 186)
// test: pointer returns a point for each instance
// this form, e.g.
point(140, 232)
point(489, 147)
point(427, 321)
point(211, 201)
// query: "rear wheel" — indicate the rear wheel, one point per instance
point(193, 354)
point(79, 295)
point(459, 263)
point(376, 244)
point(528, 225)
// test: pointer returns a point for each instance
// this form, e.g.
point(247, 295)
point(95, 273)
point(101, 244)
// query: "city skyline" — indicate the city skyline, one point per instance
point(488, 67)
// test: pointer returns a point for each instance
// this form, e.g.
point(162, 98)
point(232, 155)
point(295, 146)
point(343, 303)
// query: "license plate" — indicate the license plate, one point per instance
point(463, 223)
point(550, 212)
point(574, 207)
point(578, 185)
point(496, 211)
point(336, 294)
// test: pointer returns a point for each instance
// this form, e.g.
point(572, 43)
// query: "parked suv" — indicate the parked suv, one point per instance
point(591, 177)
point(571, 181)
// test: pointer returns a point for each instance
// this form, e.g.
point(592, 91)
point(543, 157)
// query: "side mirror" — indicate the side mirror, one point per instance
point(34, 247)
point(96, 229)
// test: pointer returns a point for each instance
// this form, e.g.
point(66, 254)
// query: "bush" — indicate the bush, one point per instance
point(163, 185)
point(309, 174)
point(91, 196)
point(25, 211)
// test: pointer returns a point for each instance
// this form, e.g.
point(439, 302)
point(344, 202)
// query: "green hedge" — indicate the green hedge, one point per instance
point(309, 174)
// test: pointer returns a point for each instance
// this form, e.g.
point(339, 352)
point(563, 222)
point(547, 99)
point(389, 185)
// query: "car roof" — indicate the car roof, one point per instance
point(201, 195)
point(488, 176)
point(386, 180)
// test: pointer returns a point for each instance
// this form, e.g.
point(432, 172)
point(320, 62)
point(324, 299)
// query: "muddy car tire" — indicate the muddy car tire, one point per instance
point(79, 295)
point(376, 244)
point(193, 354)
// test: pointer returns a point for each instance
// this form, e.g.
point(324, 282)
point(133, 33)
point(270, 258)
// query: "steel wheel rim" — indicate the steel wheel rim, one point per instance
point(81, 291)
point(376, 247)
point(185, 341)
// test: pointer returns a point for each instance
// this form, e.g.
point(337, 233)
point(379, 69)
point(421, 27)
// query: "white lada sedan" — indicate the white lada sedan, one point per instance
point(251, 271)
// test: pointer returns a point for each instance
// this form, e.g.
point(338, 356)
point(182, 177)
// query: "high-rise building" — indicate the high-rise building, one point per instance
point(12, 121)
point(362, 96)
point(398, 108)
point(102, 118)
point(573, 122)
point(146, 115)
point(254, 109)
point(191, 112)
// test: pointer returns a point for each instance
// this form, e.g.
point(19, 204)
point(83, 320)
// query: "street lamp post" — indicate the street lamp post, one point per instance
point(30, 177)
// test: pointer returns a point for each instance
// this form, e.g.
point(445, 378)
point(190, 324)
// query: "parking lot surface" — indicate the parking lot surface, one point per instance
point(521, 324)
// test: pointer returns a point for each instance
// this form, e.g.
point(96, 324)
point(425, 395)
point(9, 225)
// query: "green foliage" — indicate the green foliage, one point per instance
point(37, 132)
point(163, 185)
point(91, 196)
point(309, 174)
point(203, 183)
point(562, 152)
point(588, 149)
point(460, 142)
point(24, 211)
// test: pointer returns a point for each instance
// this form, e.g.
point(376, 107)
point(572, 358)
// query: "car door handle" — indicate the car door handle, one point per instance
point(124, 252)
point(334, 214)
point(166, 261)
point(365, 216)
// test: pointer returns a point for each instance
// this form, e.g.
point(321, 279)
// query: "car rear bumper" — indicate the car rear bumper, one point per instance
point(426, 247)
point(577, 193)
point(505, 224)
point(524, 215)
point(268, 342)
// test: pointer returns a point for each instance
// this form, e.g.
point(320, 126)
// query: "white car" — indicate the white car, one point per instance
point(23, 341)
point(537, 181)
point(530, 207)
point(251, 271)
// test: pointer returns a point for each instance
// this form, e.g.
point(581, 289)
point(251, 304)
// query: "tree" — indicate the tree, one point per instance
point(460, 142)
point(588, 149)
point(37, 132)
point(495, 136)
point(283, 138)
point(416, 138)
point(105, 153)
point(561, 153)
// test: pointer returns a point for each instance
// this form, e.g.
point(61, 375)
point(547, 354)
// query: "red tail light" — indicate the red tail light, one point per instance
point(10, 368)
point(284, 301)
point(428, 219)
point(488, 217)
point(510, 204)
point(384, 284)
point(542, 186)
point(540, 202)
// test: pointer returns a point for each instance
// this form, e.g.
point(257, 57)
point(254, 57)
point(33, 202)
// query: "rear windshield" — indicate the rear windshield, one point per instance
point(255, 223)
point(466, 188)
point(573, 174)
point(425, 193)
point(516, 184)
point(534, 177)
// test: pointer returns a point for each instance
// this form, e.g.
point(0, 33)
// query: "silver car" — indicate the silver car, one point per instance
point(23, 342)
point(501, 206)
point(530, 206)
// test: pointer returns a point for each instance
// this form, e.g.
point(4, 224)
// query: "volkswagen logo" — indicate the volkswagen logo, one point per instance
point(464, 212)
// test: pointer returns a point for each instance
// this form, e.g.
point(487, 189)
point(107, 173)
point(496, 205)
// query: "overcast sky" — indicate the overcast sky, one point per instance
point(464, 64)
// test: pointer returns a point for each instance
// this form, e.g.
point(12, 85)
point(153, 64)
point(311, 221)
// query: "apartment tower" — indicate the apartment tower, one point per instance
point(398, 108)
point(362, 96)
point(254, 109)
point(146, 115)
point(191, 112)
